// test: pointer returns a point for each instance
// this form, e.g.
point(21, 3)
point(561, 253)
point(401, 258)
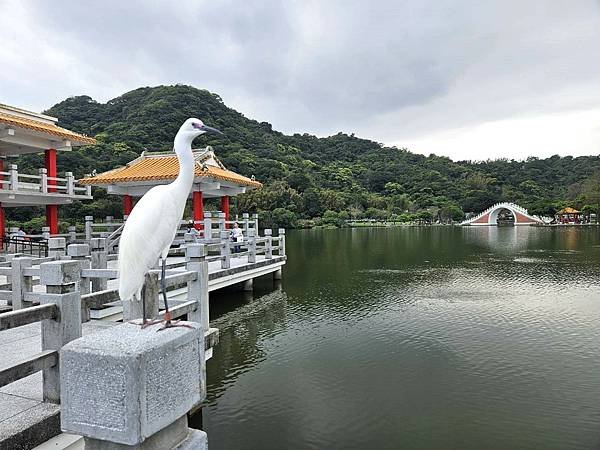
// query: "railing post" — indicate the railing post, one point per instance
point(207, 226)
point(251, 245)
point(89, 220)
point(225, 249)
point(14, 177)
point(81, 252)
point(221, 223)
point(281, 233)
point(46, 233)
point(57, 247)
point(60, 278)
point(245, 219)
point(70, 183)
point(132, 308)
point(43, 172)
point(268, 243)
point(20, 284)
point(72, 234)
point(98, 261)
point(255, 219)
point(195, 255)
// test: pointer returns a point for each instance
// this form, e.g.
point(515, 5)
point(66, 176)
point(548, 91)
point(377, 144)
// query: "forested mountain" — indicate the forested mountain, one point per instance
point(307, 177)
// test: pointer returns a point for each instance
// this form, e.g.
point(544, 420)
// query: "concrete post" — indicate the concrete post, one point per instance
point(70, 183)
point(57, 247)
point(72, 234)
point(89, 220)
point(80, 253)
point(43, 173)
point(225, 249)
point(251, 245)
point(245, 220)
point(20, 284)
point(195, 256)
point(207, 226)
point(60, 278)
point(222, 225)
point(281, 233)
point(98, 259)
point(248, 285)
point(132, 308)
point(138, 398)
point(14, 177)
point(278, 274)
point(268, 243)
point(255, 219)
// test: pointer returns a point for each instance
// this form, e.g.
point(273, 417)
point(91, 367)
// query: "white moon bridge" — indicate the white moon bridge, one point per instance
point(490, 216)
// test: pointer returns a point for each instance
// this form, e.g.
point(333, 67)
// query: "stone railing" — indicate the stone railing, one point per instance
point(42, 183)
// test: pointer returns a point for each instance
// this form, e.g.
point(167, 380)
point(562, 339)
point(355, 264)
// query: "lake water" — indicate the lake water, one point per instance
point(416, 338)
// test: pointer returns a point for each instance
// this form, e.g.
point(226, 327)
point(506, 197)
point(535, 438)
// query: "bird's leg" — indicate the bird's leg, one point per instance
point(168, 318)
point(163, 286)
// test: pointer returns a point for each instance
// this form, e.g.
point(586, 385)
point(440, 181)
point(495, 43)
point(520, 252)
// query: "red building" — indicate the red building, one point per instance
point(23, 132)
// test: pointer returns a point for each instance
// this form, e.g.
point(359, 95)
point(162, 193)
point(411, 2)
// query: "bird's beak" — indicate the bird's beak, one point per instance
point(208, 129)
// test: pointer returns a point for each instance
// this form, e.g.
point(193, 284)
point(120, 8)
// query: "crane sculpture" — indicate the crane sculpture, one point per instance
point(154, 221)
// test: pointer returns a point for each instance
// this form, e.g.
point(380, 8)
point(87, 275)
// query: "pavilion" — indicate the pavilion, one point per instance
point(569, 215)
point(211, 180)
point(23, 132)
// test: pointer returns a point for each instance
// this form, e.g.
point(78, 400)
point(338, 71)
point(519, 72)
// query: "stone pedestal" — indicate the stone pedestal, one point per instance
point(128, 388)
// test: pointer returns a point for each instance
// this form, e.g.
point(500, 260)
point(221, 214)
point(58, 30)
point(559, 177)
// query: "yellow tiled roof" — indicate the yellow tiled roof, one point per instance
point(43, 127)
point(147, 168)
point(568, 210)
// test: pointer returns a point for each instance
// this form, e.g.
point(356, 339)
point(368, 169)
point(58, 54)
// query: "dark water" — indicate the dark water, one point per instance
point(416, 338)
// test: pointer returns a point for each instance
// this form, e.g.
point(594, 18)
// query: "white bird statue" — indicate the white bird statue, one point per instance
point(154, 221)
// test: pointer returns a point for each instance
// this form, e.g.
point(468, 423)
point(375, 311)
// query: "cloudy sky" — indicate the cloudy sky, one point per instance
point(469, 79)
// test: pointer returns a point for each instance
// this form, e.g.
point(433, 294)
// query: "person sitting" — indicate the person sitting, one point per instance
point(236, 235)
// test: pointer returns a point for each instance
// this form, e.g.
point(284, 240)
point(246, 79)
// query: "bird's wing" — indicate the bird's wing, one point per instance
point(148, 233)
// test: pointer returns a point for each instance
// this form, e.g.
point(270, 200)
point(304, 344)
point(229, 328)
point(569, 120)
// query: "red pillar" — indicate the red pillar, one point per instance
point(1, 223)
point(51, 210)
point(1, 208)
point(198, 205)
point(225, 208)
point(127, 204)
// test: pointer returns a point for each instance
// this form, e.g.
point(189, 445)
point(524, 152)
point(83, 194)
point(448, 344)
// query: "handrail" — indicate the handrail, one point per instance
point(14, 319)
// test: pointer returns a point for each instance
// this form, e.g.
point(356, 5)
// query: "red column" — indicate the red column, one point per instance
point(198, 205)
point(1, 223)
point(1, 208)
point(51, 210)
point(225, 207)
point(127, 204)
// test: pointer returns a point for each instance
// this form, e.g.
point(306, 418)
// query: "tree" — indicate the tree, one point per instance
point(591, 190)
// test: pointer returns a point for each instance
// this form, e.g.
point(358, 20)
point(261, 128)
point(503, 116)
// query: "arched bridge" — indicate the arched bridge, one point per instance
point(490, 215)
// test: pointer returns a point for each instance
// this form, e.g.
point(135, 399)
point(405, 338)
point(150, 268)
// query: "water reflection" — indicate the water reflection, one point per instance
point(416, 338)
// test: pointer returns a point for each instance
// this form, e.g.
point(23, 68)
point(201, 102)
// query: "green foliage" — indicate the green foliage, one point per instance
point(306, 177)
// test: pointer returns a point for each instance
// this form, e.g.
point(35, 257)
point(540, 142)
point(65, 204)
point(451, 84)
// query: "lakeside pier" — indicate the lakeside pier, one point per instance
point(38, 322)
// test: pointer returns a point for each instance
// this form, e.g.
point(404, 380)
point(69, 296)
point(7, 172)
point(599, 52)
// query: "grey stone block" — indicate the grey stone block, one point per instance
point(126, 383)
point(98, 244)
point(57, 243)
point(195, 251)
point(59, 272)
point(78, 250)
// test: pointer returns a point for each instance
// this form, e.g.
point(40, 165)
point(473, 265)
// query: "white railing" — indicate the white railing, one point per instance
point(42, 183)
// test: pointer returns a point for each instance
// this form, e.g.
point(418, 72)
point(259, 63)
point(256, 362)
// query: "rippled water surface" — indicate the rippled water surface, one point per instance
point(424, 338)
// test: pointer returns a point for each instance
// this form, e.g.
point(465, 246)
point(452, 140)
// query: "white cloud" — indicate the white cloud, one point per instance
point(434, 75)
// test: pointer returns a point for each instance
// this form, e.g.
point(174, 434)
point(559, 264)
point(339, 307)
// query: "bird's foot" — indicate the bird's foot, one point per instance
point(169, 323)
point(145, 323)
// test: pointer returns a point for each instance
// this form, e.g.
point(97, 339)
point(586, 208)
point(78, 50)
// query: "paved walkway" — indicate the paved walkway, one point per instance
point(22, 412)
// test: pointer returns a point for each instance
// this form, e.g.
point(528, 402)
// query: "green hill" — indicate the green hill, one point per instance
point(305, 176)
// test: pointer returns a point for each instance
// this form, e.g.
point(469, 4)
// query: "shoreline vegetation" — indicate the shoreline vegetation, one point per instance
point(307, 181)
